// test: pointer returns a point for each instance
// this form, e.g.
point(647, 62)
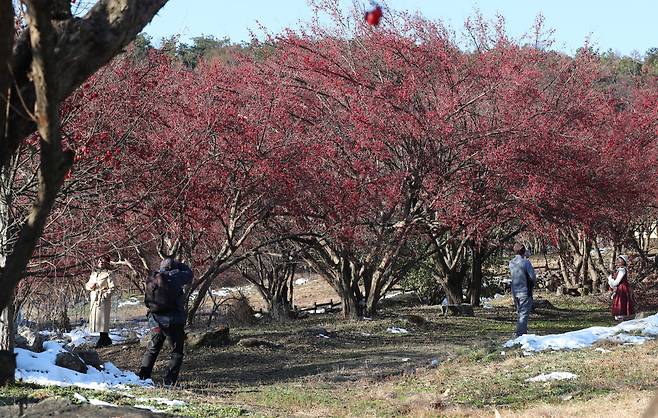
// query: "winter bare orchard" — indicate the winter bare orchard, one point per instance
point(358, 151)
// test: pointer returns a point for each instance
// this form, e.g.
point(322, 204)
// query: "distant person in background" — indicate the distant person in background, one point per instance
point(165, 300)
point(523, 281)
point(623, 304)
point(101, 284)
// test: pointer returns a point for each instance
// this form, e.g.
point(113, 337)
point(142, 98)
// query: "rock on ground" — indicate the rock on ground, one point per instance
point(257, 342)
point(413, 319)
point(70, 361)
point(542, 304)
point(216, 338)
point(64, 408)
point(90, 357)
point(29, 339)
point(458, 310)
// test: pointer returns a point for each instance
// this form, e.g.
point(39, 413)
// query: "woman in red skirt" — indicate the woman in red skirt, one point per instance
point(623, 305)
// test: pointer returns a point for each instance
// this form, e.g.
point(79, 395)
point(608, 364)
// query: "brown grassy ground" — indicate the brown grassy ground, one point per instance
point(362, 370)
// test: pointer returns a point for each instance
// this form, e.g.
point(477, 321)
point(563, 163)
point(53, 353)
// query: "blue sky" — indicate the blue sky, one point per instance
point(623, 26)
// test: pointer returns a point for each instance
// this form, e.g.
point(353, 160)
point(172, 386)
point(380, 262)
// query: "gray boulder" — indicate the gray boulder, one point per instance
point(90, 357)
point(542, 304)
point(458, 310)
point(643, 314)
point(70, 361)
point(217, 337)
point(64, 408)
point(29, 339)
point(258, 342)
point(413, 319)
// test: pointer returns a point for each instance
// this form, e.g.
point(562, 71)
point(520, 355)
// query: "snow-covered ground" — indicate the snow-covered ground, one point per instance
point(553, 376)
point(486, 302)
point(129, 302)
point(397, 330)
point(40, 368)
point(80, 335)
point(159, 401)
point(636, 331)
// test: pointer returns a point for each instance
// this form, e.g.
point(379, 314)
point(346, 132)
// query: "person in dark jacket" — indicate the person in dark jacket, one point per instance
point(168, 324)
point(523, 281)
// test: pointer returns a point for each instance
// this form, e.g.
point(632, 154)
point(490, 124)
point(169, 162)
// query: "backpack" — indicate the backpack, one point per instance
point(160, 295)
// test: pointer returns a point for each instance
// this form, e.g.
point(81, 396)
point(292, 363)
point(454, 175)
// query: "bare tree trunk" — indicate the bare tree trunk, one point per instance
point(452, 285)
point(202, 291)
point(475, 285)
point(350, 304)
point(280, 303)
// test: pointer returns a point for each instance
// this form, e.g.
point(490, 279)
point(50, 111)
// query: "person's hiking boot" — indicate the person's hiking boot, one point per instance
point(104, 340)
point(144, 373)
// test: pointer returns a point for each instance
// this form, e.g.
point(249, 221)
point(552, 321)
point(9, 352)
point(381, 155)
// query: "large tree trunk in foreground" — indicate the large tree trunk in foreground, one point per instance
point(50, 59)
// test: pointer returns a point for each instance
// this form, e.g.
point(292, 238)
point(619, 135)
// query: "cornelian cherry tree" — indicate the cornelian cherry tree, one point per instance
point(387, 106)
point(196, 161)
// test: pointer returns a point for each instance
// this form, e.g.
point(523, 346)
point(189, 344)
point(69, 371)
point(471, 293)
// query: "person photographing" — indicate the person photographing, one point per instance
point(164, 297)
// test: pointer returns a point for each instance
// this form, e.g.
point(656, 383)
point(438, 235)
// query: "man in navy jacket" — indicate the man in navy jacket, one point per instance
point(168, 324)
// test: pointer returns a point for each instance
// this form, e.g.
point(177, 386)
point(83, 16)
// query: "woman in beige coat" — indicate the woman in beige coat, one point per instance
point(101, 285)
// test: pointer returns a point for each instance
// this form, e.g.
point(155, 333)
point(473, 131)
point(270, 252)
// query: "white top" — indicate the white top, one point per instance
point(621, 272)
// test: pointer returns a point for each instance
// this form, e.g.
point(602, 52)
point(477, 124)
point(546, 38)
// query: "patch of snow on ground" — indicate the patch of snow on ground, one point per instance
point(393, 294)
point(40, 368)
point(163, 401)
point(150, 408)
point(317, 311)
point(223, 292)
point(397, 330)
point(98, 402)
point(79, 397)
point(129, 302)
point(647, 328)
point(552, 376)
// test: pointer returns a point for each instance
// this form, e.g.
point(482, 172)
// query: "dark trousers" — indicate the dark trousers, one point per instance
point(176, 335)
point(523, 304)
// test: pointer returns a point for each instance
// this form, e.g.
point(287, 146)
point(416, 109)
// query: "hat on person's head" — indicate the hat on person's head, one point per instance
point(167, 264)
point(624, 258)
point(519, 248)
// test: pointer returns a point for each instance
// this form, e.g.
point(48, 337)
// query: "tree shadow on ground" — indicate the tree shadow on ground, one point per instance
point(358, 350)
